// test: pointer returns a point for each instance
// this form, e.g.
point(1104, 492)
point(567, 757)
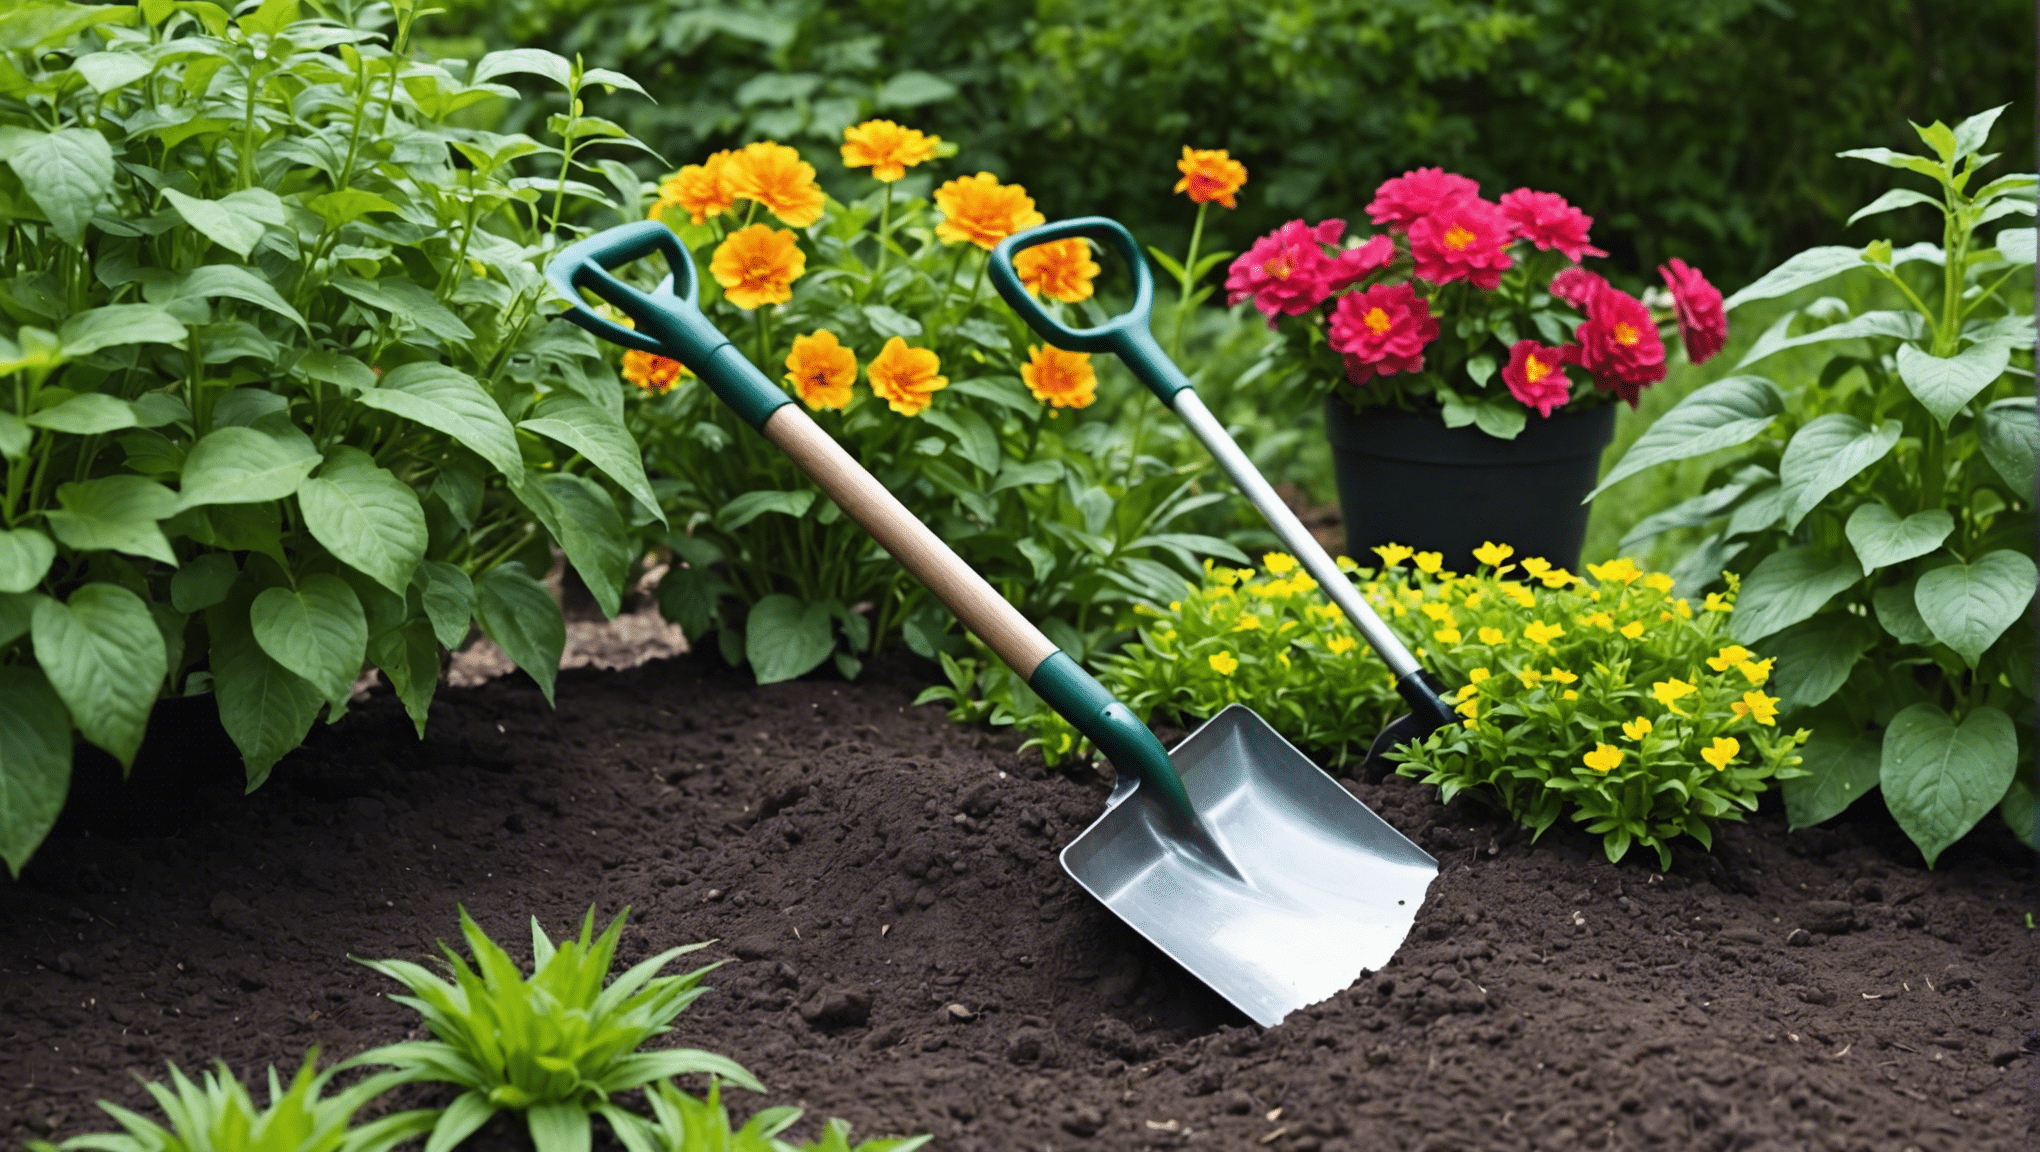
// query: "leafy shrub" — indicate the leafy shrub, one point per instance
point(277, 393)
point(1880, 512)
point(691, 1124)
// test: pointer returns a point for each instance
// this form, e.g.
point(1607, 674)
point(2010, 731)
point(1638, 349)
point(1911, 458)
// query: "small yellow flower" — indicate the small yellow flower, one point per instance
point(1638, 728)
point(1756, 671)
point(1301, 582)
point(1340, 645)
point(1604, 757)
point(757, 266)
point(1473, 598)
point(1623, 570)
point(1684, 609)
point(905, 378)
point(1468, 708)
point(821, 370)
point(1244, 573)
point(1763, 709)
point(1247, 622)
point(1562, 676)
point(1061, 269)
point(1569, 694)
point(653, 373)
point(886, 148)
point(776, 177)
point(1438, 612)
point(1210, 174)
point(1558, 578)
point(1224, 577)
point(1279, 563)
point(1530, 677)
point(1729, 657)
point(1492, 554)
point(1491, 636)
point(1058, 378)
point(1717, 603)
point(1429, 563)
point(1392, 554)
point(1466, 692)
point(1633, 630)
point(1521, 594)
point(1538, 632)
point(1478, 675)
point(1447, 636)
point(1223, 663)
point(1669, 692)
point(1536, 566)
point(1175, 605)
point(1658, 581)
point(1346, 564)
point(1470, 725)
point(979, 210)
point(1599, 620)
point(701, 189)
point(1721, 751)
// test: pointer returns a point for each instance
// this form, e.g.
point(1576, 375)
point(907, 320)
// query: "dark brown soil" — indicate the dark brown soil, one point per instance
point(907, 953)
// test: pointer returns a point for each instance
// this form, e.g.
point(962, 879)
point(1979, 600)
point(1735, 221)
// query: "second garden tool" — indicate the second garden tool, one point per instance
point(1238, 857)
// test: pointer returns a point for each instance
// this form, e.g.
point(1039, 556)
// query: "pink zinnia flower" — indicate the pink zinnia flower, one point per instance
point(1464, 240)
point(1536, 375)
point(1356, 264)
point(1285, 272)
point(1576, 286)
point(1703, 325)
point(1381, 331)
point(1619, 344)
point(1407, 198)
point(1546, 220)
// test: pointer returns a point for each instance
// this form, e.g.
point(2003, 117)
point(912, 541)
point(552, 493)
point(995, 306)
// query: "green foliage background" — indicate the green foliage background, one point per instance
point(1699, 128)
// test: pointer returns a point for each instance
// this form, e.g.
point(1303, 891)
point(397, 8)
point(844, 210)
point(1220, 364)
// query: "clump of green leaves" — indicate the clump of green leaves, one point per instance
point(687, 1123)
point(218, 1114)
point(1880, 514)
point(557, 1046)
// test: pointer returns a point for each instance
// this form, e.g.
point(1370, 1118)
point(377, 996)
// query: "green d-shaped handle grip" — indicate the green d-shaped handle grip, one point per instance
point(668, 324)
point(1126, 335)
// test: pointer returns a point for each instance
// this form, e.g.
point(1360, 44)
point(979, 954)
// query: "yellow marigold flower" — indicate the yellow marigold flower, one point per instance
point(758, 265)
point(1346, 564)
point(1280, 563)
point(821, 370)
point(1223, 663)
point(1247, 623)
point(1604, 757)
point(1623, 570)
point(886, 148)
point(1669, 692)
point(1729, 657)
point(1658, 582)
point(1638, 728)
point(1717, 603)
point(1721, 751)
point(1210, 174)
point(979, 210)
point(775, 176)
point(702, 189)
point(1538, 632)
point(1340, 645)
point(1058, 378)
point(1392, 554)
point(1061, 269)
point(1439, 612)
point(1759, 707)
point(1633, 630)
point(653, 373)
point(1478, 675)
point(905, 378)
point(1447, 636)
point(1468, 708)
point(1492, 554)
point(1429, 563)
point(1530, 677)
point(1756, 671)
point(1491, 636)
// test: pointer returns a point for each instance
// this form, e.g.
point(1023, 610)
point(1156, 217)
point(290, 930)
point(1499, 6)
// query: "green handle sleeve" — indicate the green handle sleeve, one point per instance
point(1126, 335)
point(1120, 735)
point(668, 324)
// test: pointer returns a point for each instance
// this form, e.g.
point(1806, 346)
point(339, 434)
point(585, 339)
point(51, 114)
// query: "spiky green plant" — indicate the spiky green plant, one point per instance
point(557, 1047)
point(217, 1114)
point(686, 1123)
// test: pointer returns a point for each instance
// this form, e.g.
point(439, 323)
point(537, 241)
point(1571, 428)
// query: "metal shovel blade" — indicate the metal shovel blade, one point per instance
point(1326, 887)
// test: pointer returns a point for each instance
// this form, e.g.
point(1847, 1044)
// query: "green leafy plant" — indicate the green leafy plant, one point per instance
point(1880, 512)
point(219, 1114)
point(685, 1123)
point(557, 1046)
point(278, 398)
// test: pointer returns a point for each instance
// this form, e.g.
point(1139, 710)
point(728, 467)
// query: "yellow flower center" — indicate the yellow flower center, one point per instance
point(1280, 267)
point(1535, 369)
point(1378, 320)
point(1626, 335)
point(1457, 237)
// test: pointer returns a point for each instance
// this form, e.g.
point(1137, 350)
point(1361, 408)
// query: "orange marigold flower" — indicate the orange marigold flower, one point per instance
point(774, 175)
point(905, 378)
point(653, 373)
point(1062, 269)
point(702, 189)
point(979, 210)
point(758, 265)
point(886, 148)
point(821, 370)
point(1058, 378)
point(1210, 174)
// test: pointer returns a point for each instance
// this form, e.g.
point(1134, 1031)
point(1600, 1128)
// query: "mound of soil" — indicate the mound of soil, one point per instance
point(905, 951)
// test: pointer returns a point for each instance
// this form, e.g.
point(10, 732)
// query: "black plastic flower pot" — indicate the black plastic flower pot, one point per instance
point(1405, 478)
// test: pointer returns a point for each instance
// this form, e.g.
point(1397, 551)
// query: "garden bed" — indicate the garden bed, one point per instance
point(906, 952)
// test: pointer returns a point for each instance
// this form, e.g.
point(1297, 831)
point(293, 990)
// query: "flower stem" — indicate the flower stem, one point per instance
point(884, 226)
point(1183, 288)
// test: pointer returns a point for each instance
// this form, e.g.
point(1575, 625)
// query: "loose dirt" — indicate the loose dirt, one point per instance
point(905, 952)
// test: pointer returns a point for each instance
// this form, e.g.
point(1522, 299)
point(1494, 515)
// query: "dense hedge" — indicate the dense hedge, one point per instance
point(1704, 128)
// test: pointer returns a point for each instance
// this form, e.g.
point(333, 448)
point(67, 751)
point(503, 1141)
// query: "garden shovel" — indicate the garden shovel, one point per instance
point(1238, 857)
point(1129, 337)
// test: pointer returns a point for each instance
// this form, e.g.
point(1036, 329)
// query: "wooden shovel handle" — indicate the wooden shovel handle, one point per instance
point(1001, 626)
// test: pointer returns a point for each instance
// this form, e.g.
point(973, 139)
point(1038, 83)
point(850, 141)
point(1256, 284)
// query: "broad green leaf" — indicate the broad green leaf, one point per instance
point(600, 436)
point(336, 368)
point(17, 609)
point(1940, 778)
point(561, 1127)
point(1896, 198)
point(270, 17)
point(1497, 416)
point(409, 302)
point(1691, 513)
point(1842, 766)
point(743, 509)
point(1777, 338)
point(974, 436)
point(531, 61)
point(585, 522)
point(2016, 245)
point(1940, 138)
point(104, 656)
point(25, 556)
point(1786, 587)
point(239, 465)
point(265, 707)
point(448, 400)
point(86, 414)
point(35, 762)
point(1944, 386)
point(784, 638)
point(520, 615)
point(1899, 160)
point(614, 80)
point(1808, 267)
point(1899, 615)
point(366, 517)
point(317, 631)
point(1880, 537)
point(889, 322)
point(1714, 416)
point(1815, 658)
point(15, 436)
point(120, 512)
point(2021, 813)
point(69, 173)
point(1971, 133)
point(116, 324)
point(687, 598)
point(409, 659)
point(2009, 435)
point(347, 205)
point(1827, 453)
point(913, 88)
point(108, 71)
point(449, 600)
point(204, 582)
point(1968, 606)
point(236, 231)
point(232, 282)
